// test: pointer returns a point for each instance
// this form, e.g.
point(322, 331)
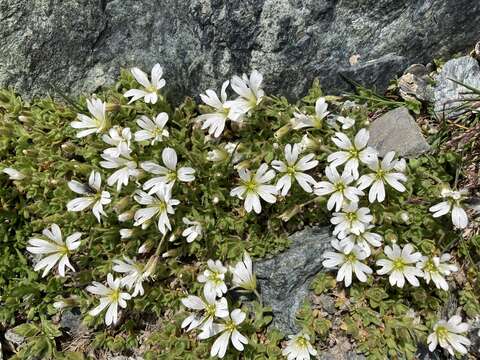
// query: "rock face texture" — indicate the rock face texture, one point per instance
point(79, 45)
point(285, 279)
point(447, 93)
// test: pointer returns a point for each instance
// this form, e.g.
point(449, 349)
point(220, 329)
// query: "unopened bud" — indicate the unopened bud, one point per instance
point(287, 215)
point(126, 233)
point(112, 107)
point(284, 130)
point(151, 266)
point(143, 248)
point(122, 204)
point(125, 216)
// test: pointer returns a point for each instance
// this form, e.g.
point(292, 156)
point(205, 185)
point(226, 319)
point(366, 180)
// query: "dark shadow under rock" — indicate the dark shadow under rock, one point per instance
point(284, 280)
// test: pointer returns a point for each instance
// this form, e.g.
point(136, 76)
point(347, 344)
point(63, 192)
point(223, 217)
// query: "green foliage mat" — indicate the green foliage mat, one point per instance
point(36, 139)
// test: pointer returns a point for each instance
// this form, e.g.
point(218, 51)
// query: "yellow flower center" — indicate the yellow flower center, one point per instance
point(353, 153)
point(230, 326)
point(291, 170)
point(351, 216)
point(251, 185)
point(215, 277)
point(398, 264)
point(115, 295)
point(161, 206)
point(340, 187)
point(442, 332)
point(350, 258)
point(380, 174)
point(301, 342)
point(430, 266)
point(151, 89)
point(210, 310)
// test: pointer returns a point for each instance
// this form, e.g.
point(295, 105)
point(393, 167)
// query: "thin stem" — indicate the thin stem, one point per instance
point(159, 247)
point(232, 155)
point(259, 297)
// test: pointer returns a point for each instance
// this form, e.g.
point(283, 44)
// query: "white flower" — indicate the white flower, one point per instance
point(153, 130)
point(308, 143)
point(352, 153)
point(249, 90)
point(159, 204)
point(192, 232)
point(150, 88)
point(447, 335)
point(299, 347)
point(168, 173)
point(338, 187)
point(384, 173)
point(54, 249)
point(214, 278)
point(399, 265)
point(119, 139)
point(347, 122)
point(95, 197)
point(208, 308)
point(13, 174)
point(306, 121)
point(229, 330)
point(351, 221)
point(243, 276)
point(127, 168)
point(362, 240)
point(254, 186)
point(136, 273)
point(228, 150)
point(215, 121)
point(350, 263)
point(453, 203)
point(95, 124)
point(400, 165)
point(435, 268)
point(294, 169)
point(217, 155)
point(111, 296)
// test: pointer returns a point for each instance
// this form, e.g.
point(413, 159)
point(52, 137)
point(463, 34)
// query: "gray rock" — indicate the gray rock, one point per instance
point(71, 320)
point(397, 130)
point(14, 338)
point(474, 337)
point(284, 280)
point(416, 82)
point(448, 94)
point(333, 355)
point(341, 350)
point(424, 354)
point(79, 45)
point(327, 303)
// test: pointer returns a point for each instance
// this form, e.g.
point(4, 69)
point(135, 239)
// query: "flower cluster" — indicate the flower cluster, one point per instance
point(151, 193)
point(211, 314)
